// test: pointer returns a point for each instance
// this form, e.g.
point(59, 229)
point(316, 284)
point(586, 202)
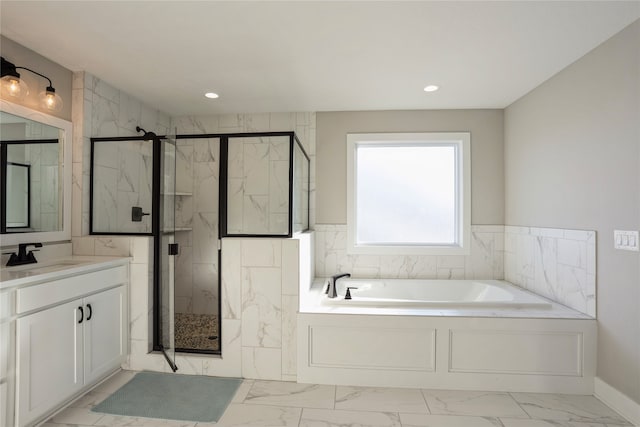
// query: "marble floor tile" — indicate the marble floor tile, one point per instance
point(89, 400)
point(52, 424)
point(276, 403)
point(477, 403)
point(567, 407)
point(519, 422)
point(242, 391)
point(423, 420)
point(242, 415)
point(380, 399)
point(82, 416)
point(339, 418)
point(121, 421)
point(291, 394)
point(113, 383)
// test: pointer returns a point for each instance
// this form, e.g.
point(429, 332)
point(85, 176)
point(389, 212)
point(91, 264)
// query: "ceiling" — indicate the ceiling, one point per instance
point(316, 55)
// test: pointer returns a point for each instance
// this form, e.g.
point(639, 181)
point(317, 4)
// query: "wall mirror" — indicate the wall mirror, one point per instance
point(35, 176)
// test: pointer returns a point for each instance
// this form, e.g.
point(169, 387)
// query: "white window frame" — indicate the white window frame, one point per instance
point(462, 142)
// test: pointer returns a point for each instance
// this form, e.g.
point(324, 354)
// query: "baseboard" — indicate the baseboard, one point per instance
point(617, 401)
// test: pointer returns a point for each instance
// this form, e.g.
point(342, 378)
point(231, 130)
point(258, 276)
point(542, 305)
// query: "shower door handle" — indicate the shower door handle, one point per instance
point(137, 214)
point(173, 249)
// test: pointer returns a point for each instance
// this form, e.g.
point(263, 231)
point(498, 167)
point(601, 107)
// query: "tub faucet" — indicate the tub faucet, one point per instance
point(331, 289)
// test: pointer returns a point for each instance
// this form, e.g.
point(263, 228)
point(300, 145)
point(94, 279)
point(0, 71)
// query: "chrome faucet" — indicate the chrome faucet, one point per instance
point(331, 289)
point(22, 257)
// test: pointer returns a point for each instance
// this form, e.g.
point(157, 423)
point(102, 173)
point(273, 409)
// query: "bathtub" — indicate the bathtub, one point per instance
point(400, 293)
point(443, 334)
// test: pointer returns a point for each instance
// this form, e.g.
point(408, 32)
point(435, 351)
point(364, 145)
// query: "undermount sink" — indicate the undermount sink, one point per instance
point(55, 266)
point(29, 270)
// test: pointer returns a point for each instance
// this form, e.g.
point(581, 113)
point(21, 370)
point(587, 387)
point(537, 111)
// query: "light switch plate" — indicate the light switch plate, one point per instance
point(625, 240)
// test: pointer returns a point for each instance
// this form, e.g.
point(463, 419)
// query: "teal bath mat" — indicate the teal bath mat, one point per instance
point(172, 396)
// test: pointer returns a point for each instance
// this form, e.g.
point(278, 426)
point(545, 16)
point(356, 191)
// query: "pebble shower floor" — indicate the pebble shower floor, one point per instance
point(196, 331)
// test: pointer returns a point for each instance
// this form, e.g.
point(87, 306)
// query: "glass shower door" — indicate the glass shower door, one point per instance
point(168, 248)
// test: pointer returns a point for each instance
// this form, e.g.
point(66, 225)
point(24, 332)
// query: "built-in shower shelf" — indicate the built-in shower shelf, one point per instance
point(178, 194)
point(176, 230)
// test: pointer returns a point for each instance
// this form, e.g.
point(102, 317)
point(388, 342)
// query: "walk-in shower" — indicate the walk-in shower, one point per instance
point(187, 192)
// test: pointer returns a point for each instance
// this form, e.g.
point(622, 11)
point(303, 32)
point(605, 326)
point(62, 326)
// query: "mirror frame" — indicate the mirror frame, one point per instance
point(12, 239)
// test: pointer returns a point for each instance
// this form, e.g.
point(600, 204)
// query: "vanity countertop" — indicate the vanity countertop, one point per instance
point(54, 269)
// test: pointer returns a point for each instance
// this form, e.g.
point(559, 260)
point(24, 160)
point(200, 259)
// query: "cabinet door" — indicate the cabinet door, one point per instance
point(104, 332)
point(7, 374)
point(49, 360)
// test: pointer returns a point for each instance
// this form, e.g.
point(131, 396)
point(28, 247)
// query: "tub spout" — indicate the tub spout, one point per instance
point(331, 290)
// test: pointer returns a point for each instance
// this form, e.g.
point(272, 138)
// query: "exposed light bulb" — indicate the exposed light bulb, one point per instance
point(50, 100)
point(14, 87)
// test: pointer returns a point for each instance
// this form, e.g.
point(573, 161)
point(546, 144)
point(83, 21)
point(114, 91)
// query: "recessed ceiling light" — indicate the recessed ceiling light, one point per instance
point(211, 95)
point(431, 88)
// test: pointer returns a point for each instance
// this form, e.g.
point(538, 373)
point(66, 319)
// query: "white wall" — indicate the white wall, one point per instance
point(572, 160)
point(487, 176)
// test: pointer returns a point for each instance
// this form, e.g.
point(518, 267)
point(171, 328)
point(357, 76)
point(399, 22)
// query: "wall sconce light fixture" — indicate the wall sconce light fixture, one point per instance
point(13, 86)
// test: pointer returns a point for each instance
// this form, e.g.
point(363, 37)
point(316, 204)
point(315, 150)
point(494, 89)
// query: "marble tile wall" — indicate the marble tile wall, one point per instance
point(558, 264)
point(258, 176)
point(122, 179)
point(484, 262)
point(260, 288)
point(100, 110)
point(197, 166)
point(302, 123)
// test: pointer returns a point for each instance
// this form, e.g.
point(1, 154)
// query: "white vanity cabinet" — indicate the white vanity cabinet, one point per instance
point(70, 333)
point(48, 360)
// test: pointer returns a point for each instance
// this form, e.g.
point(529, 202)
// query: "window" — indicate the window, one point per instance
point(408, 193)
